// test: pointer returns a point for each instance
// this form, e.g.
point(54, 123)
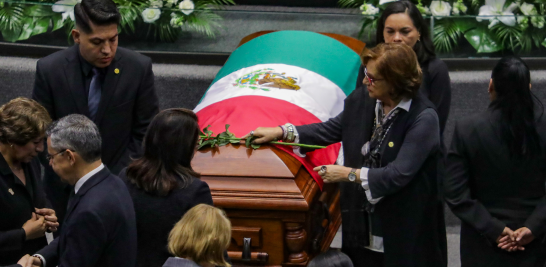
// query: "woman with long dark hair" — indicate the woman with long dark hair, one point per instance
point(496, 174)
point(401, 22)
point(163, 184)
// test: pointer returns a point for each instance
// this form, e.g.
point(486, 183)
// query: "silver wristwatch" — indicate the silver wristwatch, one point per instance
point(352, 175)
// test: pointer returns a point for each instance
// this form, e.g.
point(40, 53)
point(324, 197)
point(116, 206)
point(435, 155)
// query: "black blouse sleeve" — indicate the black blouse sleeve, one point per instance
point(439, 86)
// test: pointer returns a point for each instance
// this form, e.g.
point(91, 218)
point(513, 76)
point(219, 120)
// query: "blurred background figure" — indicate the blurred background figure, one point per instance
point(496, 174)
point(401, 22)
point(331, 258)
point(23, 203)
point(200, 238)
point(163, 184)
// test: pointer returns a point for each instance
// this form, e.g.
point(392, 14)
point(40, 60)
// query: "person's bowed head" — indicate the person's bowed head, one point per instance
point(200, 237)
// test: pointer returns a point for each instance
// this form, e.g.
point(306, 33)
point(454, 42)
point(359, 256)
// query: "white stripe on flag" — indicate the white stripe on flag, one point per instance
point(299, 86)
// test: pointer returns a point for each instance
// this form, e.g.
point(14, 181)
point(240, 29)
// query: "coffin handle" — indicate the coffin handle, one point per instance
point(246, 249)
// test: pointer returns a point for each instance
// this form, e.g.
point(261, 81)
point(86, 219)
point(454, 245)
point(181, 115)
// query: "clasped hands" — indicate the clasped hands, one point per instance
point(514, 240)
point(41, 221)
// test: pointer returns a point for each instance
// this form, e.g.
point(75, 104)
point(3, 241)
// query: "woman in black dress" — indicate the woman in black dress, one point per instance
point(163, 184)
point(496, 171)
point(23, 203)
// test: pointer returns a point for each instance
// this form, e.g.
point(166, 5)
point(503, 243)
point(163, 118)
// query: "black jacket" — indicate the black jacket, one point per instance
point(156, 216)
point(17, 208)
point(412, 219)
point(127, 106)
point(99, 228)
point(488, 190)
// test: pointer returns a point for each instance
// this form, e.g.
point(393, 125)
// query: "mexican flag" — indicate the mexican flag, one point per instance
point(288, 76)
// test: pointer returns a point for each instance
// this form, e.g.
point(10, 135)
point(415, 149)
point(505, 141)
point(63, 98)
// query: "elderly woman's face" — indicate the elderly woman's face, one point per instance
point(30, 150)
point(377, 86)
point(399, 28)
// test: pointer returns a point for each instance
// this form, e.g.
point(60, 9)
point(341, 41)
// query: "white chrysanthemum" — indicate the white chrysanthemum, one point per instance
point(459, 7)
point(149, 15)
point(528, 9)
point(382, 2)
point(186, 7)
point(494, 11)
point(66, 7)
point(440, 8)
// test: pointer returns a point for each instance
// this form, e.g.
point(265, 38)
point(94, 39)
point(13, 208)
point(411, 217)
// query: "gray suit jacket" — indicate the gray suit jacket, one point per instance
point(179, 262)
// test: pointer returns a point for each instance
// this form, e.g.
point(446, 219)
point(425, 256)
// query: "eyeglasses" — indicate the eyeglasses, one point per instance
point(50, 157)
point(370, 80)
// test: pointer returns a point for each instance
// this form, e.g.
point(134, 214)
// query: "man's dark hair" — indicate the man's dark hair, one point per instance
point(99, 12)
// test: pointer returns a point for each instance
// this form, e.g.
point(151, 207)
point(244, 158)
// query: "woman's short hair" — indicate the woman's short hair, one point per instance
point(22, 120)
point(202, 235)
point(331, 258)
point(424, 48)
point(397, 64)
point(169, 145)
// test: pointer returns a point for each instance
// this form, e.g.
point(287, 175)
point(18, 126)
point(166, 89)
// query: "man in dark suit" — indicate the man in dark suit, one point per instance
point(112, 86)
point(100, 224)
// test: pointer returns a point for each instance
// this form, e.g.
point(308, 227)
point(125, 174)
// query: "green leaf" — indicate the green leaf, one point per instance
point(350, 3)
point(11, 35)
point(38, 11)
point(26, 31)
point(482, 40)
point(11, 17)
point(235, 141)
point(207, 132)
point(207, 142)
point(248, 141)
point(255, 146)
point(58, 22)
point(41, 25)
point(543, 42)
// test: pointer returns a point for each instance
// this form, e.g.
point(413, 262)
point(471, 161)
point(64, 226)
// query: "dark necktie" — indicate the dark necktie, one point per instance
point(94, 94)
point(71, 198)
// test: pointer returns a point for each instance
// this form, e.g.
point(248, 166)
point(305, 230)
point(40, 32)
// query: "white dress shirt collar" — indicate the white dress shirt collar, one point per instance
point(86, 177)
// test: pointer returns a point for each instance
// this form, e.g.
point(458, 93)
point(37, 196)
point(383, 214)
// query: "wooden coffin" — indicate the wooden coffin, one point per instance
point(279, 215)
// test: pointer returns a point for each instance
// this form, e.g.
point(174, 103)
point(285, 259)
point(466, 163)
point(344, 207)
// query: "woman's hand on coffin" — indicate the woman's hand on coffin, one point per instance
point(334, 173)
point(265, 134)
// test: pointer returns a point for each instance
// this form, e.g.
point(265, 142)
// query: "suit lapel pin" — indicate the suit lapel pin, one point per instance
point(116, 71)
point(11, 191)
point(391, 144)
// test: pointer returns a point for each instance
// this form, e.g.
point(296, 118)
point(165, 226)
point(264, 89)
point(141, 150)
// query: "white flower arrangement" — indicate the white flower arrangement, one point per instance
point(494, 11)
point(156, 3)
point(150, 15)
point(170, 3)
point(186, 6)
point(369, 10)
point(66, 7)
point(440, 9)
point(459, 7)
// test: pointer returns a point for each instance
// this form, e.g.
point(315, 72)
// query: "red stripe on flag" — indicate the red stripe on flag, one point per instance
point(246, 113)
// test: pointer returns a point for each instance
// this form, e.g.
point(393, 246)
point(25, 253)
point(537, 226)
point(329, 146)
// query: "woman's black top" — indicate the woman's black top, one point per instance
point(156, 216)
point(17, 202)
point(436, 86)
point(488, 189)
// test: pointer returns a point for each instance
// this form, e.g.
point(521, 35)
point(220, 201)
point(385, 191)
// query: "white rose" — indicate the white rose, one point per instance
point(369, 9)
point(186, 6)
point(149, 15)
point(528, 9)
point(176, 23)
point(156, 3)
point(440, 8)
point(171, 3)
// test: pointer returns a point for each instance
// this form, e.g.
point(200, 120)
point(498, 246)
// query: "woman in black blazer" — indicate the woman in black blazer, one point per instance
point(23, 203)
point(496, 174)
point(163, 184)
point(391, 143)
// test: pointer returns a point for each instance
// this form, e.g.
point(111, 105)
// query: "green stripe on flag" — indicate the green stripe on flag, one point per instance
point(312, 51)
